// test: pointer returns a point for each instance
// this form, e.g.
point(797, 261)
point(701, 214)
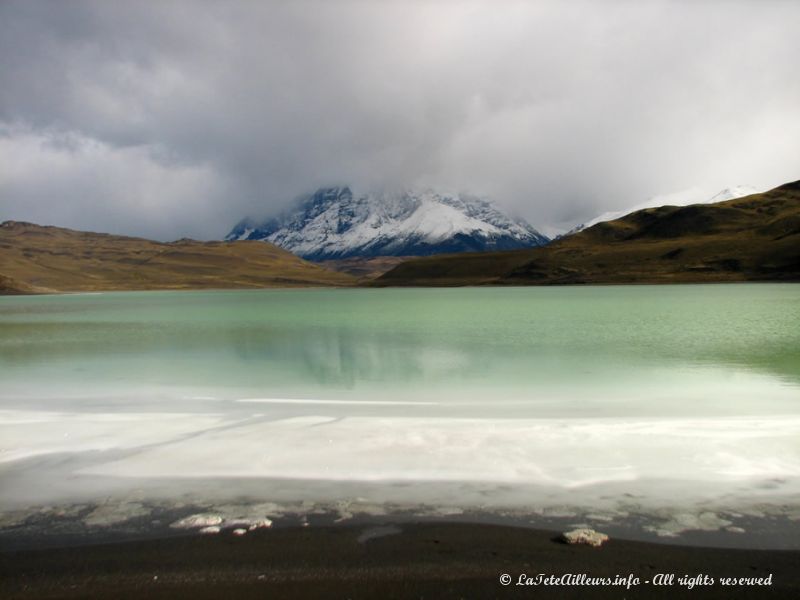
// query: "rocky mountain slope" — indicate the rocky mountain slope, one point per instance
point(336, 223)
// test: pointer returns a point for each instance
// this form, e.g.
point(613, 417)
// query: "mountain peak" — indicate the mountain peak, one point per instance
point(731, 193)
point(335, 222)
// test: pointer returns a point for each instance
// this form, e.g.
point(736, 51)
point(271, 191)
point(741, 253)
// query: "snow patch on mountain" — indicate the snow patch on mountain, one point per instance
point(337, 223)
point(682, 198)
point(731, 193)
point(552, 231)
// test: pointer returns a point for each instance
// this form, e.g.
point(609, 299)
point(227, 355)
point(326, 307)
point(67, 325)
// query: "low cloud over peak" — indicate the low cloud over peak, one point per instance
point(177, 119)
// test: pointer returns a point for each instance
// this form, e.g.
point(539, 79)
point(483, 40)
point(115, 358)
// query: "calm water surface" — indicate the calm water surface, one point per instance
point(677, 407)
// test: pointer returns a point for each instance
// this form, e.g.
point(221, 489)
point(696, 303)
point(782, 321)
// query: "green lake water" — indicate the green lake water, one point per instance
point(507, 399)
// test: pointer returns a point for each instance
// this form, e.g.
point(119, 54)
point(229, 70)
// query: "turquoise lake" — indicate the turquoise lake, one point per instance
point(677, 407)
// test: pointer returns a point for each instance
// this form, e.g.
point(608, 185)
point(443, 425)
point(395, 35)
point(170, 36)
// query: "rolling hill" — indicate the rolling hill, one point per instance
point(754, 238)
point(684, 198)
point(41, 259)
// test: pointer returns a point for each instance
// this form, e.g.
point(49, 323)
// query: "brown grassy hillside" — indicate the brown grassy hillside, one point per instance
point(755, 238)
point(363, 268)
point(41, 259)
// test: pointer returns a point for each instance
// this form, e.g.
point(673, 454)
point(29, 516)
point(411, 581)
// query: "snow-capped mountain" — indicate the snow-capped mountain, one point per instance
point(731, 193)
point(337, 223)
point(684, 198)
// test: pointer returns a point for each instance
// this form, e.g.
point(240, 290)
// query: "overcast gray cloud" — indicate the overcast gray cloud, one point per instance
point(168, 119)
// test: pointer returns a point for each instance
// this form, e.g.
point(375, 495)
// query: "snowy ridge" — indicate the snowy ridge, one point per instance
point(336, 223)
point(684, 198)
point(731, 193)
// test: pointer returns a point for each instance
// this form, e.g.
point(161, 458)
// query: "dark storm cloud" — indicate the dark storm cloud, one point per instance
point(177, 118)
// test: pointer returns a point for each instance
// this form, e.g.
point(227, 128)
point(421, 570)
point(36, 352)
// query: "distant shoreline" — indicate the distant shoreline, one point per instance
point(368, 286)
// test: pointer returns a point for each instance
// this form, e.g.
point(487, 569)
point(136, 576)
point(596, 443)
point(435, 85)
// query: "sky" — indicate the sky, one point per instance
point(176, 119)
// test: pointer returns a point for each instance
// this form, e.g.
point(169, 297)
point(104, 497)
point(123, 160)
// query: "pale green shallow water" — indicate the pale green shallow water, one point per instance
point(502, 398)
point(575, 345)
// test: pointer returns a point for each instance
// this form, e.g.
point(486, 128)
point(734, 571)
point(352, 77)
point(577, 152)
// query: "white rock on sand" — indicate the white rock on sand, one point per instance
point(198, 520)
point(207, 530)
point(590, 537)
point(259, 524)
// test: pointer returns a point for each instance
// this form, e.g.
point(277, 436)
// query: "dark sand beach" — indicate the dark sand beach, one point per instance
point(432, 560)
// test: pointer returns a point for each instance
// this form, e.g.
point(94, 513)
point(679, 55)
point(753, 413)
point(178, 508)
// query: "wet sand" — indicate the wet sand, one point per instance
point(432, 560)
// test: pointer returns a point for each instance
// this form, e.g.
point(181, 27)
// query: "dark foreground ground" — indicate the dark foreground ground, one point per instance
point(409, 561)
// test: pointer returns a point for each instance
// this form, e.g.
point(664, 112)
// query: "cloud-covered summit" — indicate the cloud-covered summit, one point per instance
point(171, 119)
